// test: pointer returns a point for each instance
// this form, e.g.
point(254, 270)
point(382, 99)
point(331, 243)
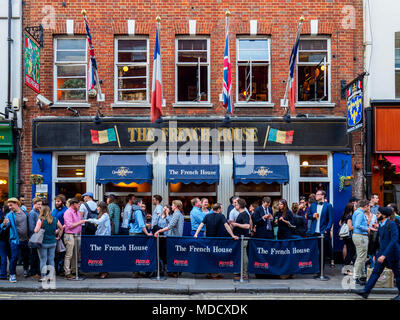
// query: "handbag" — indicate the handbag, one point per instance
point(60, 247)
point(344, 231)
point(36, 239)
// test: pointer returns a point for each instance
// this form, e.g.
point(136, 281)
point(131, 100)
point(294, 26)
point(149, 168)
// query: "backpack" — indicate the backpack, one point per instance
point(90, 228)
point(132, 218)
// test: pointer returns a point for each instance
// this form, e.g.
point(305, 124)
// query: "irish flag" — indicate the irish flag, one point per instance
point(278, 136)
point(103, 136)
point(156, 96)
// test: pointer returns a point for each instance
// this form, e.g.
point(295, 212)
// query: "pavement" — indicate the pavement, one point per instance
point(192, 284)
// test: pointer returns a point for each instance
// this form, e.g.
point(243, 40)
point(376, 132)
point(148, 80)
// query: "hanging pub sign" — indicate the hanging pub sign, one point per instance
point(355, 106)
point(32, 65)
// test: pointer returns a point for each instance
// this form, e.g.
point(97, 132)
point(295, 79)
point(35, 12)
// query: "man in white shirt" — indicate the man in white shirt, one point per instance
point(88, 210)
point(124, 229)
point(235, 213)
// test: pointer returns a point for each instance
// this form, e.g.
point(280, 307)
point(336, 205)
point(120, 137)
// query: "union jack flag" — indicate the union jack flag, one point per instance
point(227, 90)
point(93, 75)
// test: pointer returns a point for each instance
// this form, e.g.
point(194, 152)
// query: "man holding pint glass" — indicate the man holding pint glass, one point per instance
point(321, 217)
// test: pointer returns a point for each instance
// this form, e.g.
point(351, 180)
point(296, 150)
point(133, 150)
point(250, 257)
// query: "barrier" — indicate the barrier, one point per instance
point(199, 255)
point(118, 254)
point(203, 255)
point(279, 257)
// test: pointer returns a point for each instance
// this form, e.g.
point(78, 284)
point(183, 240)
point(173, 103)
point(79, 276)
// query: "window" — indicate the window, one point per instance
point(192, 70)
point(312, 70)
point(314, 174)
point(70, 175)
point(71, 166)
point(253, 60)
point(397, 64)
point(131, 70)
point(70, 70)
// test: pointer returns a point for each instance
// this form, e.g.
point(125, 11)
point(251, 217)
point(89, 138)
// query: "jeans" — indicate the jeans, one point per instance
point(46, 254)
point(34, 261)
point(4, 253)
point(361, 244)
point(15, 249)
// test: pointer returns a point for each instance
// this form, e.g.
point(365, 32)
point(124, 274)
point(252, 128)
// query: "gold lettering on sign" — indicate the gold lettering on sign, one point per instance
point(191, 134)
point(205, 134)
point(132, 134)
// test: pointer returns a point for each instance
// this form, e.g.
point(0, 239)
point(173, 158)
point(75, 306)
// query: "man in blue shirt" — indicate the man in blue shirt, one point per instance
point(360, 240)
point(388, 254)
point(58, 212)
point(137, 225)
point(196, 217)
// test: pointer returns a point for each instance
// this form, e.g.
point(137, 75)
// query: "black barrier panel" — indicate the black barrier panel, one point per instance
point(279, 257)
point(203, 255)
point(118, 254)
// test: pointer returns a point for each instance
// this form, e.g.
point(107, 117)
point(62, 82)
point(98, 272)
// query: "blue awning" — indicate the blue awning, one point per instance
point(123, 168)
point(193, 169)
point(268, 168)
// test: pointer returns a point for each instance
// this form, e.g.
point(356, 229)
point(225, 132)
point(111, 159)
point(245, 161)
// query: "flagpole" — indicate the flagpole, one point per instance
point(227, 14)
point(84, 13)
point(289, 80)
point(266, 137)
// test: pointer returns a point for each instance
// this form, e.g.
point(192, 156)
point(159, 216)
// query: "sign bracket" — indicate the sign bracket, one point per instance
point(36, 32)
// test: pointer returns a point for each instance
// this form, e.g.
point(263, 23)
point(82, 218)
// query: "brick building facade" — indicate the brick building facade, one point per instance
point(332, 30)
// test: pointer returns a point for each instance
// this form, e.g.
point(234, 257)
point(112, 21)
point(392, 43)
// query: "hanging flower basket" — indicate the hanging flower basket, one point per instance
point(348, 181)
point(36, 179)
point(345, 181)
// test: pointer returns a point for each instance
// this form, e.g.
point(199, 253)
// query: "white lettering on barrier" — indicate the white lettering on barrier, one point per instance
point(286, 251)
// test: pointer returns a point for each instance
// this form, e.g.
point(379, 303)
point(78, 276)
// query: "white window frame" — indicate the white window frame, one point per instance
point(253, 103)
point(208, 64)
point(329, 178)
point(396, 69)
point(328, 102)
point(142, 103)
point(56, 179)
point(75, 103)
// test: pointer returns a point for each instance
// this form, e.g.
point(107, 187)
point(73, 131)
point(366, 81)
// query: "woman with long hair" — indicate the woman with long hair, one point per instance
point(48, 249)
point(350, 248)
point(284, 220)
point(103, 223)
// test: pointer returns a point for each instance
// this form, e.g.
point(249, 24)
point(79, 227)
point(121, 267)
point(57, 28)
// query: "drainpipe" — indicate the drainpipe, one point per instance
point(9, 60)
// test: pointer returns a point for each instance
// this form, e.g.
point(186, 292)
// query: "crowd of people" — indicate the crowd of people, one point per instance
point(312, 216)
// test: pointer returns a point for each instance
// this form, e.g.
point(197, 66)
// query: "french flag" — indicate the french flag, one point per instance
point(156, 97)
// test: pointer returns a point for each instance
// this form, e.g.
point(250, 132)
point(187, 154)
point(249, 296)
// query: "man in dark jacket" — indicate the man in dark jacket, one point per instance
point(262, 220)
point(388, 254)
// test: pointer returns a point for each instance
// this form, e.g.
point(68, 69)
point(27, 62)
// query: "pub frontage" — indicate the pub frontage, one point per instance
point(182, 157)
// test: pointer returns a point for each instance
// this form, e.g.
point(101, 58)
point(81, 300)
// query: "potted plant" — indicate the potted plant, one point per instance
point(345, 181)
point(36, 179)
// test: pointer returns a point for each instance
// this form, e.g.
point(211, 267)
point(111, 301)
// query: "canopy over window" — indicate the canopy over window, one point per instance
point(268, 168)
point(123, 168)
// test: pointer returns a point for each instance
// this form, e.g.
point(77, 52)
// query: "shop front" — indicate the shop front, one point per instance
point(185, 158)
point(385, 159)
point(7, 162)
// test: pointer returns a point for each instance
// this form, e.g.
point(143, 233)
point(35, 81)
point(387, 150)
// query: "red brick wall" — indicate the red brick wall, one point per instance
point(276, 19)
